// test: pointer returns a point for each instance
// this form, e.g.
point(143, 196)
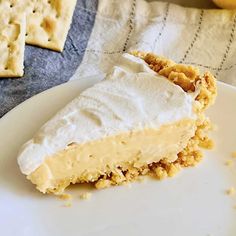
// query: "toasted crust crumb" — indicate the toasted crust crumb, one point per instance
point(173, 169)
point(160, 172)
point(85, 196)
point(140, 179)
point(231, 191)
point(65, 196)
point(103, 183)
point(67, 204)
point(229, 163)
point(234, 154)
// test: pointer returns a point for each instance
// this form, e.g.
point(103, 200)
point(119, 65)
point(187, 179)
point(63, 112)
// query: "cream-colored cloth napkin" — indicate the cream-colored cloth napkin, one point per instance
point(203, 38)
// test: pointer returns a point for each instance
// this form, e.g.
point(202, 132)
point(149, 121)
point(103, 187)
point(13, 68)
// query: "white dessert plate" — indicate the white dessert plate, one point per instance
point(192, 203)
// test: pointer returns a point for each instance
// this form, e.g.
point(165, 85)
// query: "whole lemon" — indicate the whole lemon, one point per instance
point(228, 4)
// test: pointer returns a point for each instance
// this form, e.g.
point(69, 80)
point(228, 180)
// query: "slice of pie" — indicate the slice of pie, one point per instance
point(146, 117)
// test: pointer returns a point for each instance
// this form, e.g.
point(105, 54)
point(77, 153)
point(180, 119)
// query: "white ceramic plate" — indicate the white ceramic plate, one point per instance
point(193, 203)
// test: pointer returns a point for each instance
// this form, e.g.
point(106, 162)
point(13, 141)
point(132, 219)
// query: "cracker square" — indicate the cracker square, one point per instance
point(47, 22)
point(12, 42)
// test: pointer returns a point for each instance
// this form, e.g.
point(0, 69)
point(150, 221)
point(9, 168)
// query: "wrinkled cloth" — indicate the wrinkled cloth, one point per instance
point(202, 38)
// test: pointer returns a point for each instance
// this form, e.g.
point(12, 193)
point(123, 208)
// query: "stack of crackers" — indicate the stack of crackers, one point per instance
point(44, 23)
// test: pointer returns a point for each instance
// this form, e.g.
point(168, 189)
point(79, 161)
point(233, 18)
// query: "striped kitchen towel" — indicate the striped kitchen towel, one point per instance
point(203, 38)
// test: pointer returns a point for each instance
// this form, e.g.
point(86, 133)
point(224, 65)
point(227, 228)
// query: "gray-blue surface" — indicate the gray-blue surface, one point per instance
point(44, 68)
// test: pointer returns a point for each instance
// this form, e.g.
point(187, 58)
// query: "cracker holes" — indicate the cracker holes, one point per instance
point(26, 34)
point(49, 39)
point(34, 11)
point(11, 5)
point(8, 45)
point(6, 68)
point(10, 21)
point(49, 2)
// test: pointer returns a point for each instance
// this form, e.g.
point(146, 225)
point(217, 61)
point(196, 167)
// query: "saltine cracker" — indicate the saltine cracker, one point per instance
point(12, 42)
point(47, 21)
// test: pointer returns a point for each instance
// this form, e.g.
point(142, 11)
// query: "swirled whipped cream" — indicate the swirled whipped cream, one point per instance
point(132, 97)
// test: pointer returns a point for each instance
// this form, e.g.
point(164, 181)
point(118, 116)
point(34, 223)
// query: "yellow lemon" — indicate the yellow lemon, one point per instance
point(228, 4)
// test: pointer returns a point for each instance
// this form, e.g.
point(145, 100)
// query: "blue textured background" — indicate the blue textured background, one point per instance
point(44, 68)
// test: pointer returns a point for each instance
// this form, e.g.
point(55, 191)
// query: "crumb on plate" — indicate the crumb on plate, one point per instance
point(140, 179)
point(230, 191)
point(85, 196)
point(65, 196)
point(229, 163)
point(234, 154)
point(214, 127)
point(67, 204)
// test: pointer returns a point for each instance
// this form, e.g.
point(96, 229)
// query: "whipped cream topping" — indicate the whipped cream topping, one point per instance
point(132, 97)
